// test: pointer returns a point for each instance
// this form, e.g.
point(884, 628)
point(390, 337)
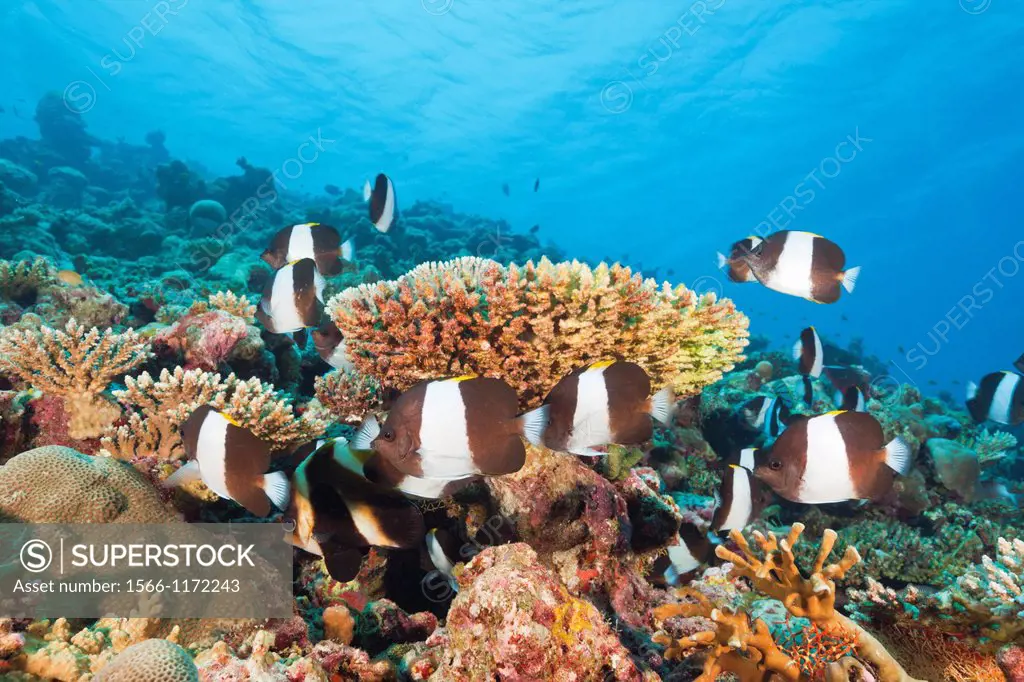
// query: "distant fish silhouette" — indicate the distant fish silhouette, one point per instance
point(534, 229)
point(333, 190)
point(536, 184)
point(504, 189)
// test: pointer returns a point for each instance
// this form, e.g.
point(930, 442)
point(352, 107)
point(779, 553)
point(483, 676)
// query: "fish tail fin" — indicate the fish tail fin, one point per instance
point(898, 456)
point(367, 433)
point(722, 260)
point(276, 486)
point(533, 424)
point(662, 403)
point(797, 350)
point(348, 250)
point(850, 279)
point(972, 390)
point(186, 474)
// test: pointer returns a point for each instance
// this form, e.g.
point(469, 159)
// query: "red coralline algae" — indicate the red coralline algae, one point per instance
point(209, 339)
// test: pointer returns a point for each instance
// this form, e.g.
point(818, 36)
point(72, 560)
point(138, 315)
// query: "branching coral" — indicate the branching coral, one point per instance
point(533, 324)
point(994, 592)
point(20, 279)
point(749, 651)
point(990, 446)
point(158, 407)
point(229, 302)
point(346, 394)
point(76, 364)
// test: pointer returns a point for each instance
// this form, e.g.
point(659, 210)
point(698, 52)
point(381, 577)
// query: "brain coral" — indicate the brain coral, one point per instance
point(533, 324)
point(154, 660)
point(55, 484)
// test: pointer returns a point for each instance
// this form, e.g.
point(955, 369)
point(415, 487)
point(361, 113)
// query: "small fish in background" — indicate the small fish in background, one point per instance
point(736, 267)
point(452, 428)
point(534, 229)
point(337, 514)
point(293, 299)
point(740, 499)
point(1019, 364)
point(505, 189)
point(383, 203)
point(833, 457)
point(330, 345)
point(767, 414)
point(231, 461)
point(684, 557)
point(605, 403)
point(851, 400)
point(802, 264)
point(443, 550)
point(536, 184)
point(332, 190)
point(320, 242)
point(999, 398)
point(809, 355)
point(70, 277)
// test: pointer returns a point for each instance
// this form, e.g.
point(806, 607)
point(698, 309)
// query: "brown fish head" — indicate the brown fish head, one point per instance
point(781, 465)
point(399, 437)
point(276, 254)
point(562, 403)
point(326, 338)
point(764, 254)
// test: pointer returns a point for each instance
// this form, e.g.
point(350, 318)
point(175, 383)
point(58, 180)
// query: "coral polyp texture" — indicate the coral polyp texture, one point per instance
point(532, 324)
point(76, 364)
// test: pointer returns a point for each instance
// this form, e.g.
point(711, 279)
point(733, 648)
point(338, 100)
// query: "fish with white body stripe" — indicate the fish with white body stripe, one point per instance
point(809, 355)
point(999, 398)
point(737, 268)
point(321, 243)
point(231, 461)
point(832, 457)
point(337, 514)
point(852, 399)
point(741, 497)
point(692, 551)
point(330, 345)
point(767, 414)
point(383, 204)
point(293, 299)
point(605, 403)
point(454, 428)
point(801, 264)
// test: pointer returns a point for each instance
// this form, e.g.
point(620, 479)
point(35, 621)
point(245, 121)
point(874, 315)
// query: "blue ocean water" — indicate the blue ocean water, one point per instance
point(661, 131)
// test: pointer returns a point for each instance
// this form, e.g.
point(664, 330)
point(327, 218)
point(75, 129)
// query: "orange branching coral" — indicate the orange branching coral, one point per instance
point(229, 302)
point(76, 364)
point(939, 656)
point(532, 324)
point(158, 407)
point(737, 647)
point(815, 647)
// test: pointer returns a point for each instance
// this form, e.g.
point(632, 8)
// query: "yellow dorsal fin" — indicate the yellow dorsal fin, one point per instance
point(834, 413)
point(601, 364)
point(229, 420)
point(464, 377)
point(815, 235)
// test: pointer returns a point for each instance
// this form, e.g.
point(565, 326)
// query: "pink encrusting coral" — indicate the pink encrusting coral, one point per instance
point(210, 339)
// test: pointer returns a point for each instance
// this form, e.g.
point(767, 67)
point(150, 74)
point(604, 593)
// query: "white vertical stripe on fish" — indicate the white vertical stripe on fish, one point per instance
point(819, 355)
point(338, 358)
point(792, 272)
point(366, 523)
point(319, 283)
point(826, 475)
point(437, 556)
point(682, 560)
point(444, 439)
point(282, 308)
point(764, 415)
point(211, 453)
point(300, 243)
point(742, 502)
point(1002, 400)
point(590, 422)
point(388, 214)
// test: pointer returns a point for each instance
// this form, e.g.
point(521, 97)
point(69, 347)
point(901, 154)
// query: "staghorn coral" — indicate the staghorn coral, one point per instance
point(533, 324)
point(76, 364)
point(158, 407)
point(78, 489)
point(346, 394)
point(990, 446)
point(749, 651)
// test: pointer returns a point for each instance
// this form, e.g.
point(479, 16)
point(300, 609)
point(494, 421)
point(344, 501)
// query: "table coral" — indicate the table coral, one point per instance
point(76, 364)
point(533, 324)
point(514, 621)
point(59, 485)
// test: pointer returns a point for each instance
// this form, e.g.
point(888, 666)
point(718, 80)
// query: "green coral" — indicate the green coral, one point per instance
point(24, 279)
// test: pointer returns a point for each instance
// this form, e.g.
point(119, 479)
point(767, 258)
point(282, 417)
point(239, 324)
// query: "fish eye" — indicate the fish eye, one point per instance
point(775, 464)
point(388, 435)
